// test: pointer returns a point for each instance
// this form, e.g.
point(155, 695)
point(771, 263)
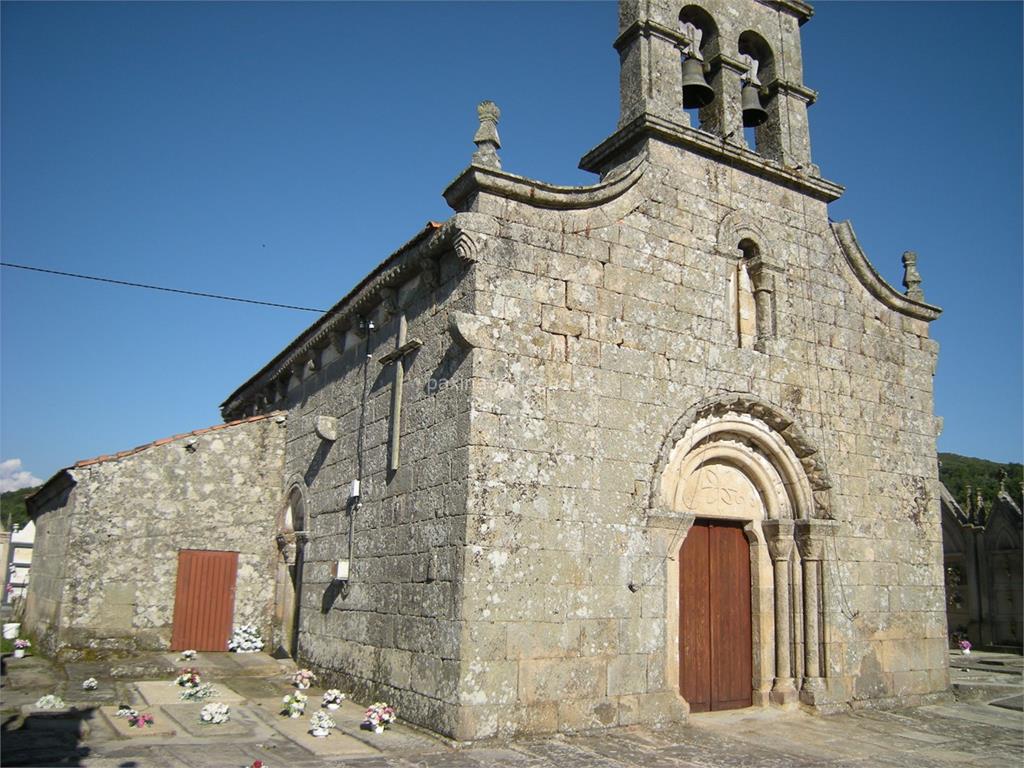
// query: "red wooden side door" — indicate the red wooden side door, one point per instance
point(714, 617)
point(204, 600)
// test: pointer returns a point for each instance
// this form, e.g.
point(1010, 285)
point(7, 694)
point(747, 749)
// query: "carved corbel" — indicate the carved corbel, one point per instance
point(314, 361)
point(466, 247)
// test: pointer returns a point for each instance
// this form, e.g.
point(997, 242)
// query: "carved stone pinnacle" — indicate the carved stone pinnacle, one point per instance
point(486, 138)
point(911, 277)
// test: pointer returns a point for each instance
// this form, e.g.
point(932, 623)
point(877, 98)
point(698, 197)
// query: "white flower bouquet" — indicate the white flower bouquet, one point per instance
point(198, 693)
point(214, 714)
point(294, 704)
point(332, 698)
point(245, 639)
point(321, 723)
point(50, 701)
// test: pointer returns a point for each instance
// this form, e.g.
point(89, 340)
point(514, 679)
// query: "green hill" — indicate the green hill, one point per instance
point(12, 507)
point(958, 472)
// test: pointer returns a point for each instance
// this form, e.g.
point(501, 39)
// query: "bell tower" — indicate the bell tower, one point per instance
point(735, 65)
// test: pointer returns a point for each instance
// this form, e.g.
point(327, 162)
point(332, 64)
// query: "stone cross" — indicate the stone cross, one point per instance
point(397, 356)
point(486, 138)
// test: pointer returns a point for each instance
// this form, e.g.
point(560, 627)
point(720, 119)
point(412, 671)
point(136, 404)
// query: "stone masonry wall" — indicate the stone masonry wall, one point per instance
point(605, 325)
point(217, 490)
point(392, 630)
point(44, 602)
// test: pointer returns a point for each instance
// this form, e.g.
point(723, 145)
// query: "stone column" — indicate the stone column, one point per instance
point(779, 534)
point(811, 537)
point(724, 116)
point(763, 282)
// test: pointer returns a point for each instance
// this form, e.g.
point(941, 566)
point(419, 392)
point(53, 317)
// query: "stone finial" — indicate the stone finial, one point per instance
point(486, 138)
point(911, 277)
point(1002, 480)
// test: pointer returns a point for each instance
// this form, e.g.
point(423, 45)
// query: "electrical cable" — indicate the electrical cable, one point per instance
point(160, 288)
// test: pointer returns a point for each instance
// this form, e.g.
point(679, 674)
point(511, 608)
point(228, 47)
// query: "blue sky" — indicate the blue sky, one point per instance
point(279, 151)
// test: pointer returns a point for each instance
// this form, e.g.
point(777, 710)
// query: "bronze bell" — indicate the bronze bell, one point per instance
point(696, 91)
point(753, 113)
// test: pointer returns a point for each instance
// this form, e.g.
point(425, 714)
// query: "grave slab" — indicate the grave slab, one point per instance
point(241, 722)
point(162, 727)
point(162, 692)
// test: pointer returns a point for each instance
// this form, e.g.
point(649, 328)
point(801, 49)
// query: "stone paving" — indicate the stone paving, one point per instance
point(969, 732)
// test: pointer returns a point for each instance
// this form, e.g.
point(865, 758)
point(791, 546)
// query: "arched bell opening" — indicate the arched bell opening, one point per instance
point(759, 63)
point(291, 540)
point(699, 30)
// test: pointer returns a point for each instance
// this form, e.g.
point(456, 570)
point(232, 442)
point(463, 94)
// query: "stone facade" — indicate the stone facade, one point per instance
point(983, 551)
point(109, 531)
point(540, 396)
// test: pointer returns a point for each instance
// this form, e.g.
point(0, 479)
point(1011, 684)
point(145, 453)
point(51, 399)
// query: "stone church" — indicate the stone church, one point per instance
point(594, 456)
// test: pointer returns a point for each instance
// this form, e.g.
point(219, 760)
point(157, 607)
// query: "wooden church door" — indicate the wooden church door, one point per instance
point(714, 617)
point(204, 600)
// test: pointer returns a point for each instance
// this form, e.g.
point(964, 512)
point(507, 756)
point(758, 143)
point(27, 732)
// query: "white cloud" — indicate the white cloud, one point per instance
point(13, 477)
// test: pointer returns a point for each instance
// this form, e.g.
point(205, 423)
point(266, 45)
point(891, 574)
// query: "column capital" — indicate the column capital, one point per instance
point(811, 536)
point(779, 535)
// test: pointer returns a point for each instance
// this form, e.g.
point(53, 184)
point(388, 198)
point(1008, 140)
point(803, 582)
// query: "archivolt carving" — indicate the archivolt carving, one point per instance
point(771, 440)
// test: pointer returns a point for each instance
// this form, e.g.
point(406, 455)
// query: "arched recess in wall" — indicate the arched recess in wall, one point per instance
point(292, 537)
point(734, 460)
point(751, 291)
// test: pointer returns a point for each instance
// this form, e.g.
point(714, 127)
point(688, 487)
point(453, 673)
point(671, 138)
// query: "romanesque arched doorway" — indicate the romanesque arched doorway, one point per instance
point(744, 588)
point(291, 540)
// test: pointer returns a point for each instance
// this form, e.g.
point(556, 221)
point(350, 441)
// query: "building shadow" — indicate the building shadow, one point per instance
point(45, 738)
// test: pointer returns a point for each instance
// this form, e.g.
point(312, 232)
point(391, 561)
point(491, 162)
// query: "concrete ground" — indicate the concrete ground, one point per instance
point(984, 727)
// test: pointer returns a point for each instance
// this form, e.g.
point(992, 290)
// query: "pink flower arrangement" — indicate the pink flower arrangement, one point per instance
point(141, 720)
point(22, 644)
point(378, 717)
point(965, 645)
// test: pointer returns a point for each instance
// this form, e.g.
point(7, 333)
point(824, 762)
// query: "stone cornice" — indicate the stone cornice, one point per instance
point(648, 28)
point(476, 179)
point(802, 92)
point(875, 283)
point(411, 259)
point(651, 126)
point(802, 11)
